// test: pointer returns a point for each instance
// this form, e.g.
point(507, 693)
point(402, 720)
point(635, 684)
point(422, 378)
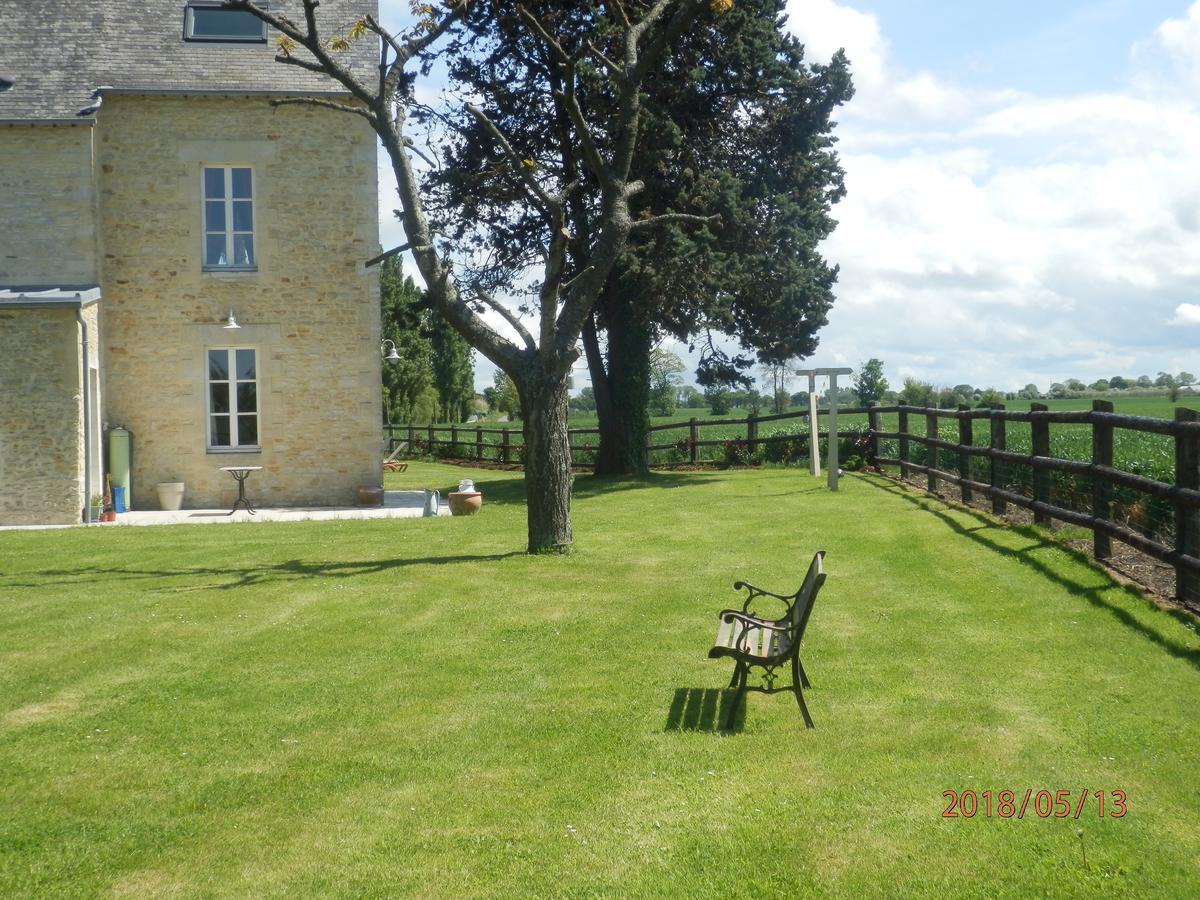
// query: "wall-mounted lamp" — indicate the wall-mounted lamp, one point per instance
point(389, 356)
point(231, 322)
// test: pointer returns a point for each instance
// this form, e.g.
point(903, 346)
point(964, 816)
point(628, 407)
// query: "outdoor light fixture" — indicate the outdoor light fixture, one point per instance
point(231, 322)
point(390, 356)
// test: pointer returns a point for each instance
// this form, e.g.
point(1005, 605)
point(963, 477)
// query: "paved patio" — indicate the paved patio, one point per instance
point(396, 505)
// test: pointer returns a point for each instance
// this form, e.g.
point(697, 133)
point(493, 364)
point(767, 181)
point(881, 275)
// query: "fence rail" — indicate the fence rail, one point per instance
point(477, 442)
point(1180, 550)
point(988, 469)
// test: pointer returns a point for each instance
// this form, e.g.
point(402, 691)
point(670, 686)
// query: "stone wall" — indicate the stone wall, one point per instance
point(47, 206)
point(310, 310)
point(41, 449)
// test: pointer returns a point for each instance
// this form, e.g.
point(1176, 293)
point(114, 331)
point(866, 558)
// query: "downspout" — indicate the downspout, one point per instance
point(87, 412)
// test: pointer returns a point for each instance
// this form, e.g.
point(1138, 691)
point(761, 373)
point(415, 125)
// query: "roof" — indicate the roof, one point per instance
point(59, 54)
point(32, 297)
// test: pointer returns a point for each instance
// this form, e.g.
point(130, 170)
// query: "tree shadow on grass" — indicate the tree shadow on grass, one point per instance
point(704, 710)
point(512, 490)
point(231, 577)
point(1094, 594)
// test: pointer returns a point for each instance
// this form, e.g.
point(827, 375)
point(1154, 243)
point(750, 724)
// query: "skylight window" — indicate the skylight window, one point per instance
point(207, 20)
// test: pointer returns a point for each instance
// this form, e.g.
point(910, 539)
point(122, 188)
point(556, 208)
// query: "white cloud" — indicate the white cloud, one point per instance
point(1186, 314)
point(998, 237)
point(1176, 42)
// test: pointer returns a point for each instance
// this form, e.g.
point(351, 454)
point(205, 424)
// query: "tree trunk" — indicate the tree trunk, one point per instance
point(621, 384)
point(547, 462)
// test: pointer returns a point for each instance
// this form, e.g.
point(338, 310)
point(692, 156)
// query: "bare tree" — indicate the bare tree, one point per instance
point(626, 47)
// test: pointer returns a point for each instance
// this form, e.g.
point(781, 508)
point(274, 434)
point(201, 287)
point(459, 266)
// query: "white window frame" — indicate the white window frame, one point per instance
point(189, 25)
point(232, 381)
point(227, 169)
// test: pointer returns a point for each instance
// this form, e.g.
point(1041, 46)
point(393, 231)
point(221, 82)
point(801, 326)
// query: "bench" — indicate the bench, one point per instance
point(754, 641)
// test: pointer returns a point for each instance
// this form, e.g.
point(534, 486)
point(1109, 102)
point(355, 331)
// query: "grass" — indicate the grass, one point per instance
point(415, 708)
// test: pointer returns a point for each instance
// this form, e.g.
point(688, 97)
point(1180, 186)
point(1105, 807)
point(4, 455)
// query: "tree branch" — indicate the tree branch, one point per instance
point(508, 317)
point(327, 104)
point(644, 224)
point(387, 254)
point(547, 203)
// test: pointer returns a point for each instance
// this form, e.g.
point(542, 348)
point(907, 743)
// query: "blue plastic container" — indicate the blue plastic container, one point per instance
point(119, 499)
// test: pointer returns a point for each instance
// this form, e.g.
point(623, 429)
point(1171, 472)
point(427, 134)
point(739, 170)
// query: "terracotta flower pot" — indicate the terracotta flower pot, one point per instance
point(464, 503)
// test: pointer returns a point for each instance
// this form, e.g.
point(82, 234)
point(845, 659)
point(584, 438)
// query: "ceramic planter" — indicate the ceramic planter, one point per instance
point(464, 503)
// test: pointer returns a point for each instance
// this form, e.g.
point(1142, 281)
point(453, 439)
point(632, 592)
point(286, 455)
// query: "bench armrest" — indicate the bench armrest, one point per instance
point(755, 592)
point(753, 621)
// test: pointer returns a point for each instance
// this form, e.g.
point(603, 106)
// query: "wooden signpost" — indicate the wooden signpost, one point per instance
point(814, 431)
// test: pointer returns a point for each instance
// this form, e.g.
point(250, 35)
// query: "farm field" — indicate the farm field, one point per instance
point(416, 707)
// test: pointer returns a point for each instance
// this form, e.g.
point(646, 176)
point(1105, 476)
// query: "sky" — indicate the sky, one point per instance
point(1023, 183)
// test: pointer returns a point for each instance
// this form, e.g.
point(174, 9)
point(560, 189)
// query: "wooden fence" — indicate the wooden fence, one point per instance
point(1176, 543)
point(1182, 496)
point(507, 444)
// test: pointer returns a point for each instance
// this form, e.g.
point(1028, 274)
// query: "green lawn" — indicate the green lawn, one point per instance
point(415, 707)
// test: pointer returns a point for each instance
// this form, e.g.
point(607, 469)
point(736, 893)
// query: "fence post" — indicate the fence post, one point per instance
point(504, 446)
point(902, 416)
point(454, 441)
point(751, 432)
point(431, 450)
point(693, 438)
point(1039, 434)
point(873, 428)
point(412, 439)
point(998, 440)
point(1187, 518)
point(931, 452)
point(478, 442)
point(966, 433)
point(1102, 455)
point(391, 437)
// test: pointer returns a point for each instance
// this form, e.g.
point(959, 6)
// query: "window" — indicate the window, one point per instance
point(228, 218)
point(205, 20)
point(232, 399)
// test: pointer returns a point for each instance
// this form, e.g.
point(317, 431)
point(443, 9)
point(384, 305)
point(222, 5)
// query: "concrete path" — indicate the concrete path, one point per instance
point(396, 505)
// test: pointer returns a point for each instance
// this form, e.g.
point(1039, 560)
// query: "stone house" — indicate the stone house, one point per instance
point(150, 194)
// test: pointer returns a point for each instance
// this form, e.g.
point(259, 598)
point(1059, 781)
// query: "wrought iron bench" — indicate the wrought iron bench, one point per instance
point(768, 644)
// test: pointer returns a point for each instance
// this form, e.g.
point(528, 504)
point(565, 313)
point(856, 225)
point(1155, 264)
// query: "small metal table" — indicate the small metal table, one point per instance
point(240, 474)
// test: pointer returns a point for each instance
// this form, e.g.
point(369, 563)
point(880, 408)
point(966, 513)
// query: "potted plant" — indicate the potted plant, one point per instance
point(95, 508)
point(109, 514)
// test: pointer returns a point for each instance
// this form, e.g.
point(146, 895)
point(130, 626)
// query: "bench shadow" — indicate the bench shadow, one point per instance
point(1092, 593)
point(703, 710)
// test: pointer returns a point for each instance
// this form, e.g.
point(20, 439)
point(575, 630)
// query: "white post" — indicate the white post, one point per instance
point(814, 430)
point(832, 463)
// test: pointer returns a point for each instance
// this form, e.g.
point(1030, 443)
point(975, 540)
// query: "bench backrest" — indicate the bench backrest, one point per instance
point(803, 604)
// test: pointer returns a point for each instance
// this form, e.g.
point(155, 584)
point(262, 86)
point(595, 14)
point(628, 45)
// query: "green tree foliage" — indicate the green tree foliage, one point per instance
point(584, 402)
point(690, 398)
point(990, 399)
point(404, 323)
point(718, 399)
point(918, 393)
point(869, 383)
point(453, 372)
point(502, 396)
point(1185, 379)
point(665, 380)
point(735, 125)
point(1118, 383)
point(1100, 385)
